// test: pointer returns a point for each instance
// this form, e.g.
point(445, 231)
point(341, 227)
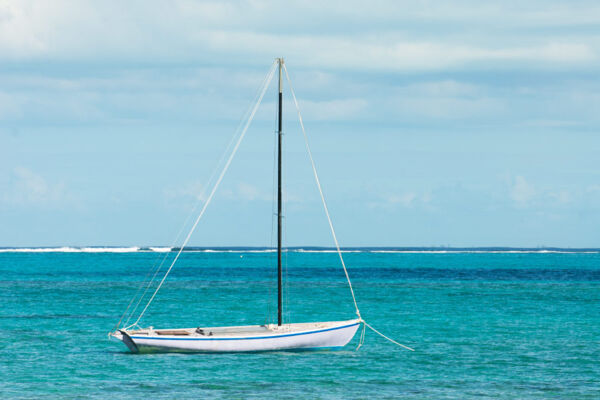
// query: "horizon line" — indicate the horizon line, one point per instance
point(158, 248)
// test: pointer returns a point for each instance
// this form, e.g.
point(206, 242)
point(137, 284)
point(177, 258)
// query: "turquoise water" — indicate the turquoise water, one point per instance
point(491, 325)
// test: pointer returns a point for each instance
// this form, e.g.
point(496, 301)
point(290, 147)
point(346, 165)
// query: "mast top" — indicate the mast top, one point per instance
point(280, 62)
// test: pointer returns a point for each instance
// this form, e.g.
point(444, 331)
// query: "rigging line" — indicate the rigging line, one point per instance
point(361, 340)
point(286, 282)
point(204, 190)
point(273, 214)
point(216, 185)
point(164, 258)
point(162, 262)
point(331, 224)
point(286, 285)
point(314, 168)
point(382, 335)
point(197, 203)
point(155, 268)
point(131, 301)
point(172, 246)
point(274, 218)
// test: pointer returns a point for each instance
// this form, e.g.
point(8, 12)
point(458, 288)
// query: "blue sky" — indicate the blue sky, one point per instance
point(432, 123)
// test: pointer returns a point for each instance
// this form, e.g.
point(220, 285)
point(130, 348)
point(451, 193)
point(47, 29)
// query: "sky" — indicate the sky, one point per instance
point(432, 123)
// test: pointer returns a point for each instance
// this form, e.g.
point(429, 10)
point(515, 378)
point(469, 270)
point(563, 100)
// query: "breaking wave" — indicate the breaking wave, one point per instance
point(65, 249)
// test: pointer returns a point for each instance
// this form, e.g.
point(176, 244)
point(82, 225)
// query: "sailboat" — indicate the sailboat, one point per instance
point(267, 337)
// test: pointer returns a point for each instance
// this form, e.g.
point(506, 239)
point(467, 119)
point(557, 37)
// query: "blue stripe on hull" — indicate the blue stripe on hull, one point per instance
point(246, 338)
point(147, 349)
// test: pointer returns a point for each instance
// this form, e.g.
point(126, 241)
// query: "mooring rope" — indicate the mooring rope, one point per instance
point(361, 340)
point(382, 335)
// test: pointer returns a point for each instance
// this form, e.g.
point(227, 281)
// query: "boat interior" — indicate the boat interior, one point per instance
point(237, 330)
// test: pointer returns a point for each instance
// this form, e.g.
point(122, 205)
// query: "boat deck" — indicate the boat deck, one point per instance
point(234, 331)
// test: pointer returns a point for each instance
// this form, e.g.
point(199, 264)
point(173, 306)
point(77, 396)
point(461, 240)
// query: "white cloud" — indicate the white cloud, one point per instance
point(10, 107)
point(561, 197)
point(27, 188)
point(195, 191)
point(405, 200)
point(521, 192)
point(332, 109)
point(593, 189)
point(248, 192)
point(443, 88)
point(450, 107)
point(391, 52)
point(552, 123)
point(346, 36)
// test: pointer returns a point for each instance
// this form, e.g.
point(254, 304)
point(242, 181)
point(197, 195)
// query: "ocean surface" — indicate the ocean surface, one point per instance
point(485, 323)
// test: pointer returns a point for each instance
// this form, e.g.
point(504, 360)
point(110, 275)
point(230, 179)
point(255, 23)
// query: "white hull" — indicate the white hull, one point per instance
point(242, 338)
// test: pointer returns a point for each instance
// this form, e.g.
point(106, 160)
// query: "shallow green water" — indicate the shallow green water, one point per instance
point(491, 325)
